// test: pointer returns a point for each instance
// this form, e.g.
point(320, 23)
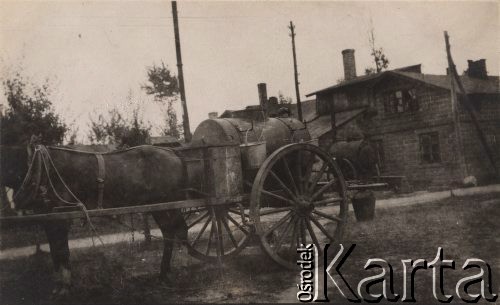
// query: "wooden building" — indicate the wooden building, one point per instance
point(417, 124)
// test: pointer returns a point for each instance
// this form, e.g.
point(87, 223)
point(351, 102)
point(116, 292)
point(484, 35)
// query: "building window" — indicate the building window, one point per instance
point(429, 147)
point(401, 101)
point(379, 153)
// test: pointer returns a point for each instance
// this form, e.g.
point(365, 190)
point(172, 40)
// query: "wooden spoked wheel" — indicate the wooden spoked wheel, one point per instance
point(298, 197)
point(216, 232)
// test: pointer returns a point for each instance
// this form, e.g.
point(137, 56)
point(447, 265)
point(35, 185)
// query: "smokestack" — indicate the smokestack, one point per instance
point(263, 97)
point(349, 64)
point(477, 69)
point(213, 115)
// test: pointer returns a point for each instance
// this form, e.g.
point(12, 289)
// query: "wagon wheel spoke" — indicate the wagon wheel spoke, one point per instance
point(303, 236)
point(278, 197)
point(298, 167)
point(307, 175)
point(274, 211)
point(291, 248)
point(230, 233)
point(300, 223)
point(283, 185)
point(279, 223)
point(201, 231)
point(219, 236)
point(313, 236)
point(322, 229)
point(297, 237)
point(238, 212)
point(323, 189)
point(220, 242)
point(285, 233)
point(212, 231)
point(290, 176)
point(237, 224)
point(327, 201)
point(316, 178)
point(197, 220)
point(327, 216)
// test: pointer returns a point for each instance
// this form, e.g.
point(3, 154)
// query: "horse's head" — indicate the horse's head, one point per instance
point(15, 160)
point(13, 165)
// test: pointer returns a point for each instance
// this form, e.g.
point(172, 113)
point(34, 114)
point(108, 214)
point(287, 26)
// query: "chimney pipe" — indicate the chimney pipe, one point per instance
point(349, 64)
point(477, 69)
point(263, 97)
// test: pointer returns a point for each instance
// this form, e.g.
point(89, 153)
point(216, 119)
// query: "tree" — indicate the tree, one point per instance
point(116, 129)
point(381, 61)
point(107, 130)
point(164, 87)
point(282, 100)
point(137, 132)
point(71, 135)
point(29, 112)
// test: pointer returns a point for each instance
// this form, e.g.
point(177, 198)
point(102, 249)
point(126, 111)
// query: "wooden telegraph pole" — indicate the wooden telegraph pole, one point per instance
point(297, 93)
point(185, 116)
point(468, 105)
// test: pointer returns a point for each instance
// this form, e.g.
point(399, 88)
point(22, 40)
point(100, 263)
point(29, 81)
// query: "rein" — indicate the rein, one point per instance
point(45, 161)
point(29, 174)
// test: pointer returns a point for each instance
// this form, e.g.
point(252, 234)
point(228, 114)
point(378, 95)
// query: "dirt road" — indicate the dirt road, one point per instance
point(127, 273)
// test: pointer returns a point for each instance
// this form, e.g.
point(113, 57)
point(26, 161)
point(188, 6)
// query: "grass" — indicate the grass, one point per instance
point(127, 273)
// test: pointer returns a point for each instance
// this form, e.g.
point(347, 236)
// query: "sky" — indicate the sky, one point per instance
point(95, 53)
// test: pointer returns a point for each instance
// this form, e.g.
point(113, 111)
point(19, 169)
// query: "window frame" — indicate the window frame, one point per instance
point(430, 148)
point(399, 101)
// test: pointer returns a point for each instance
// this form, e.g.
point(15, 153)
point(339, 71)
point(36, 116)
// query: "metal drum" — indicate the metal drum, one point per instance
point(275, 132)
point(253, 154)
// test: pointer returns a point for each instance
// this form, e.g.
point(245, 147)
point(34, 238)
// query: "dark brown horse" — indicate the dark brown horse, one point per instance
point(139, 175)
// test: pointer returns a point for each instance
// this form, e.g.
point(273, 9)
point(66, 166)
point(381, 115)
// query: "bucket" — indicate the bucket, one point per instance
point(253, 154)
point(363, 204)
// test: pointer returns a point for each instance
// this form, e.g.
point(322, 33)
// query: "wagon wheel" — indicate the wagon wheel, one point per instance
point(298, 197)
point(216, 233)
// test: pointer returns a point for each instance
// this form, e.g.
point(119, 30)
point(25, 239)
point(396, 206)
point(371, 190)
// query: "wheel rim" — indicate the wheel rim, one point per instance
point(216, 233)
point(298, 197)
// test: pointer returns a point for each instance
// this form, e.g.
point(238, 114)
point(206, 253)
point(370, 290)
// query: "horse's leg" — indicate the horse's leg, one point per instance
point(57, 235)
point(147, 229)
point(170, 227)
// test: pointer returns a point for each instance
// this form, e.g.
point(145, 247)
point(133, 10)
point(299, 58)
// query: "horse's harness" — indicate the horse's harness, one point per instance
point(40, 162)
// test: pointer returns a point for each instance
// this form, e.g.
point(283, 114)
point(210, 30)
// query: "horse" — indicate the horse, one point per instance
point(60, 176)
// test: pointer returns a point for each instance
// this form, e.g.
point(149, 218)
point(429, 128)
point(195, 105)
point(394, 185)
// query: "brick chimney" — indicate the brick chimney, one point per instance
point(263, 97)
point(477, 69)
point(349, 64)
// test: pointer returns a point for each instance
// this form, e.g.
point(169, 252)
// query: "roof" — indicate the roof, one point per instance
point(322, 124)
point(471, 85)
point(308, 109)
point(357, 80)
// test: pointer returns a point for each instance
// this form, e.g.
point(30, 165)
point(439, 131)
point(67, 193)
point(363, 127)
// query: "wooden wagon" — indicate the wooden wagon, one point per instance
point(247, 178)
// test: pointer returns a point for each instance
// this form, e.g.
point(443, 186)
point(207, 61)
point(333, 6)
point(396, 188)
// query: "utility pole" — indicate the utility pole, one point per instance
point(468, 105)
point(185, 116)
point(454, 109)
point(297, 93)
